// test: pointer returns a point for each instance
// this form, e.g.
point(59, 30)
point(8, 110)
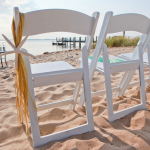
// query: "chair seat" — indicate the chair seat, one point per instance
point(100, 64)
point(50, 67)
point(116, 64)
point(128, 56)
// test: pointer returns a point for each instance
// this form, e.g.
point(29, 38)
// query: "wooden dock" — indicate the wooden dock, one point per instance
point(72, 41)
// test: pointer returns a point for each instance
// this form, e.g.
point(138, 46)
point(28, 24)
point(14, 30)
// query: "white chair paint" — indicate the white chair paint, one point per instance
point(58, 20)
point(112, 24)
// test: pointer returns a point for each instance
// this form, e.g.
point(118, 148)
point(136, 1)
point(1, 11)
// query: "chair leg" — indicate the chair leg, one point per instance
point(109, 97)
point(142, 80)
point(89, 110)
point(148, 52)
point(76, 94)
point(82, 99)
point(5, 61)
point(87, 90)
point(108, 84)
point(125, 82)
point(1, 62)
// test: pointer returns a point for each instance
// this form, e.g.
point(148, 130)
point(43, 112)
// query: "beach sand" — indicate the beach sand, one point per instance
point(128, 133)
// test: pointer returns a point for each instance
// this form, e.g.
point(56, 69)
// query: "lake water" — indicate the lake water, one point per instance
point(38, 47)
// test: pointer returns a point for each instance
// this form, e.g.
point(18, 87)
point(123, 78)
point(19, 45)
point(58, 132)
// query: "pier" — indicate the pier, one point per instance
point(72, 41)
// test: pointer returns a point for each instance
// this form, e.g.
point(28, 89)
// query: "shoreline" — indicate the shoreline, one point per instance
point(114, 50)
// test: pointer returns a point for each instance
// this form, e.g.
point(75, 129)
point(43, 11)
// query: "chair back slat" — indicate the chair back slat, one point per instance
point(57, 20)
point(129, 22)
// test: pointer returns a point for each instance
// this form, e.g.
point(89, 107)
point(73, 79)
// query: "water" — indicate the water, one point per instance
point(38, 47)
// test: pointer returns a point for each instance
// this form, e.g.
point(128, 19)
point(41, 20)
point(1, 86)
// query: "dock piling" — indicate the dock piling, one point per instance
point(79, 42)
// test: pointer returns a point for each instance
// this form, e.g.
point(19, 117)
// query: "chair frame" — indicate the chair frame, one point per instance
point(81, 74)
point(2, 50)
point(147, 80)
point(125, 82)
point(109, 26)
point(107, 71)
point(71, 75)
point(1, 56)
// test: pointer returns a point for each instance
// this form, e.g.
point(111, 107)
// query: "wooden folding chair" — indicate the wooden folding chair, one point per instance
point(113, 24)
point(58, 20)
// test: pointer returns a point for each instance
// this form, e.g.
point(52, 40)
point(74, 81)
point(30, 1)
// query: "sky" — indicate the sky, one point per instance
point(84, 6)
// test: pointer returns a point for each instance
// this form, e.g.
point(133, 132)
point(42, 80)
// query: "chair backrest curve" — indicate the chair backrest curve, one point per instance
point(129, 22)
point(58, 20)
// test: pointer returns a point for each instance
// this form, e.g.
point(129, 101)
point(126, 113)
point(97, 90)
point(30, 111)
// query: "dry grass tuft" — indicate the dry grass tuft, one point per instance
point(119, 41)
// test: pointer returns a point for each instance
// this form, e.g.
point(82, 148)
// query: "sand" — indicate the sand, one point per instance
point(128, 133)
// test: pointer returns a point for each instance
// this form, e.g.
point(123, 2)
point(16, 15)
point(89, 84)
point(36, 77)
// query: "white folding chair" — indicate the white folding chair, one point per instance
point(112, 24)
point(58, 20)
